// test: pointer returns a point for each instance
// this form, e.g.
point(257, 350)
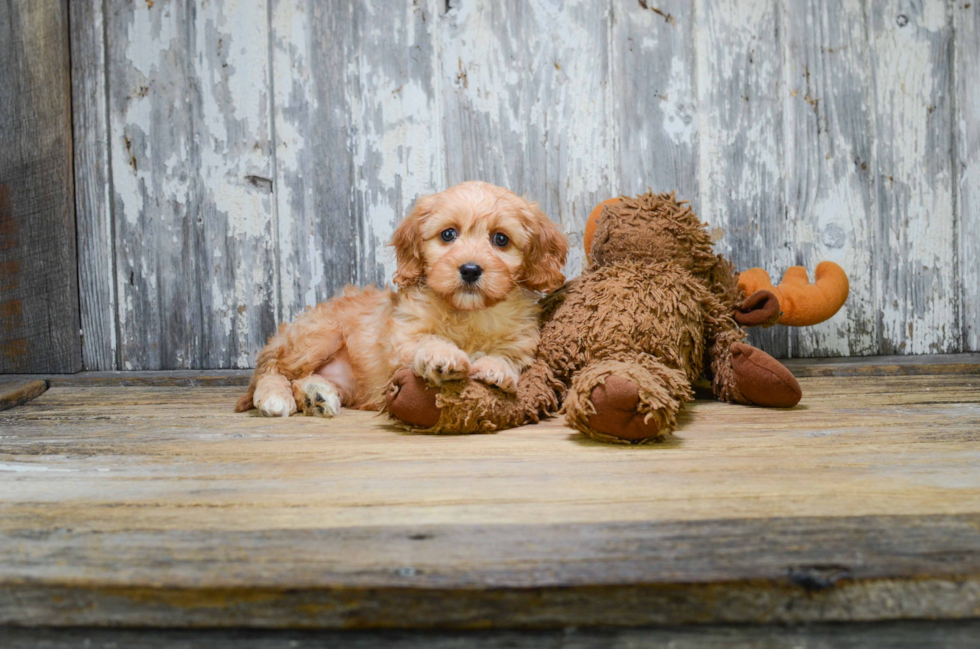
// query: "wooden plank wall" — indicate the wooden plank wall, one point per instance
point(39, 313)
point(238, 161)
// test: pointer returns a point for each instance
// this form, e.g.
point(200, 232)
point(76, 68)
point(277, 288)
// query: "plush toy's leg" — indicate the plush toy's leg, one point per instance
point(761, 309)
point(744, 374)
point(626, 399)
point(472, 406)
point(723, 381)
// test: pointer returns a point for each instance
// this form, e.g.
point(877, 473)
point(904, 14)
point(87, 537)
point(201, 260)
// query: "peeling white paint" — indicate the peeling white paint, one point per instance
point(30, 468)
point(966, 61)
point(569, 102)
point(680, 115)
point(526, 104)
point(741, 140)
point(397, 148)
point(828, 125)
point(918, 306)
point(189, 121)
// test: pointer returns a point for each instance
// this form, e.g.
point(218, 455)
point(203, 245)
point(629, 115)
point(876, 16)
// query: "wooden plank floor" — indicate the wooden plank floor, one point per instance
point(158, 506)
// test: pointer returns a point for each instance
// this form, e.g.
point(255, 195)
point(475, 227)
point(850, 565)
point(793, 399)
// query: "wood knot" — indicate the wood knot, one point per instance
point(818, 577)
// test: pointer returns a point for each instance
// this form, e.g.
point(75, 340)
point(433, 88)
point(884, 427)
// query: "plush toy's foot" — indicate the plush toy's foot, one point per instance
point(762, 379)
point(626, 399)
point(465, 407)
point(616, 405)
point(411, 400)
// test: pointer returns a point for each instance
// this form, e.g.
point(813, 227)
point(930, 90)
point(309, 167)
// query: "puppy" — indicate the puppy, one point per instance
point(470, 260)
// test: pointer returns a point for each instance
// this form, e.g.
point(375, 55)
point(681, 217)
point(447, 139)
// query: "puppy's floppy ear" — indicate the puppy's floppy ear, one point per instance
point(544, 256)
point(407, 242)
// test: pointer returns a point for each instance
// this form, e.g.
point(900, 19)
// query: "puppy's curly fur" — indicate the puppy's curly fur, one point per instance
point(343, 352)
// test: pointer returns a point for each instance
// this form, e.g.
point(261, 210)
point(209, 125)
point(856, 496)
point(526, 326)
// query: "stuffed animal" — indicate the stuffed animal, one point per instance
point(622, 344)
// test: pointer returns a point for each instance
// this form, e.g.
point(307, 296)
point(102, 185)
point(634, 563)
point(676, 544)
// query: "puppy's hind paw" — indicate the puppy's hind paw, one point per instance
point(320, 399)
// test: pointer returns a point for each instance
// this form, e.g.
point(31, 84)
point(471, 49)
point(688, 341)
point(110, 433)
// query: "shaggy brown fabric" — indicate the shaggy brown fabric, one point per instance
point(463, 407)
point(762, 379)
point(723, 381)
point(622, 344)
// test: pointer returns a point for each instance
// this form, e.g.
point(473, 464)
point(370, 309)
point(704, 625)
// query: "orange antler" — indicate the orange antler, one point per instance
point(593, 222)
point(801, 302)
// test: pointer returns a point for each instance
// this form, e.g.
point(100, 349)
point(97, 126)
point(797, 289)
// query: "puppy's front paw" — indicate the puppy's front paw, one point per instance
point(495, 371)
point(441, 363)
point(318, 398)
point(272, 396)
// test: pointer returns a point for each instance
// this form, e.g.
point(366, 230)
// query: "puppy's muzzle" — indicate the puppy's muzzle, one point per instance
point(470, 272)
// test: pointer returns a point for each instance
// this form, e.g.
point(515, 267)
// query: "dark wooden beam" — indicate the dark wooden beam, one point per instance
point(39, 323)
point(879, 635)
point(772, 570)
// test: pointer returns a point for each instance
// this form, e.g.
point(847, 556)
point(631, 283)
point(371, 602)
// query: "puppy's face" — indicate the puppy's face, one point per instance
point(475, 243)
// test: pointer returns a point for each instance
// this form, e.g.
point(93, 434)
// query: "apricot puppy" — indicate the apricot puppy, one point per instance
point(471, 260)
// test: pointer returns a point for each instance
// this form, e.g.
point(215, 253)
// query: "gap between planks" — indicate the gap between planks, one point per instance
point(801, 367)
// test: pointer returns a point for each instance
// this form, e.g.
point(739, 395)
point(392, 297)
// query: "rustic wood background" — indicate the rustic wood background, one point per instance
point(238, 161)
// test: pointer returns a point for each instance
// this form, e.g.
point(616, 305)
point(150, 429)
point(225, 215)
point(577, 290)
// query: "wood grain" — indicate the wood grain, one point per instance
point(38, 271)
point(828, 116)
point(801, 367)
point(268, 177)
point(159, 506)
point(483, 70)
point(917, 299)
point(165, 378)
point(654, 47)
point(634, 575)
point(742, 147)
point(966, 166)
point(192, 178)
point(528, 104)
point(93, 187)
point(952, 634)
point(396, 134)
point(18, 392)
point(831, 464)
point(570, 129)
point(885, 365)
point(315, 172)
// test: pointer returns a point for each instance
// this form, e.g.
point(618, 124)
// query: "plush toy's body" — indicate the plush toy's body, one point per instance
point(622, 345)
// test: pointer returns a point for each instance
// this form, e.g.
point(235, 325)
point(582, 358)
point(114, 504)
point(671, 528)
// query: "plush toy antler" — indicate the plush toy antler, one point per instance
point(801, 302)
point(593, 222)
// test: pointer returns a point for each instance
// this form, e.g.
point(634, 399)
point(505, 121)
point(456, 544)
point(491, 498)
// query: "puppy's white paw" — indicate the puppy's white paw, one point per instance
point(495, 371)
point(276, 406)
point(443, 363)
point(273, 398)
point(320, 399)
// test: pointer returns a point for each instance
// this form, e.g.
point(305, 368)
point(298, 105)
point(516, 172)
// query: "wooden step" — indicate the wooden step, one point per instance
point(158, 506)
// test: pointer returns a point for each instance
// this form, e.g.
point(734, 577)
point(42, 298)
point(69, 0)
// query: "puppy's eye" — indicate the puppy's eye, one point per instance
point(501, 240)
point(449, 234)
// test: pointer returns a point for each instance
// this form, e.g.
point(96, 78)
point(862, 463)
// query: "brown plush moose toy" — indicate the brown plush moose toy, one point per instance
point(622, 344)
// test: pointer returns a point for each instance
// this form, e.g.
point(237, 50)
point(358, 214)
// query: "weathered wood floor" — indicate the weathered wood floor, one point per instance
point(158, 506)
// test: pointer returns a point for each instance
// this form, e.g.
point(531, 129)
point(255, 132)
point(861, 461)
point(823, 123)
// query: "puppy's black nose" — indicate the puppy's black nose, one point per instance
point(470, 272)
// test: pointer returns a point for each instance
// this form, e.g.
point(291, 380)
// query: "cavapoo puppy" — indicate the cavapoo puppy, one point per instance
point(469, 261)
